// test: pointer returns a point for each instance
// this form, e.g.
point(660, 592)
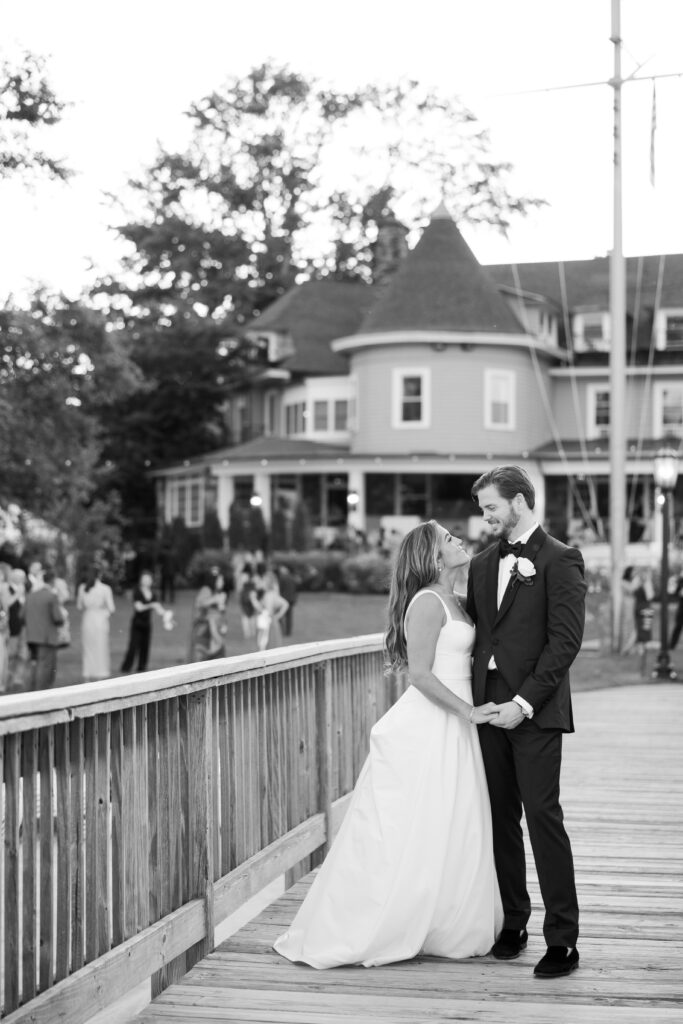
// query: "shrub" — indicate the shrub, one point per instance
point(314, 570)
point(366, 574)
point(203, 561)
point(212, 532)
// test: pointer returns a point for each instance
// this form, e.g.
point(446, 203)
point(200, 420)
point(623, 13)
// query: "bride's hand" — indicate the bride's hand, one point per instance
point(484, 713)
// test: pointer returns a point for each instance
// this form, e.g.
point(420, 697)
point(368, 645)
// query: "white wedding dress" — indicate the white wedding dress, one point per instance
point(411, 869)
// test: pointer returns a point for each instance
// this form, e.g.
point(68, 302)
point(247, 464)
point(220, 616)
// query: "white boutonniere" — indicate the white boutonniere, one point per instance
point(523, 571)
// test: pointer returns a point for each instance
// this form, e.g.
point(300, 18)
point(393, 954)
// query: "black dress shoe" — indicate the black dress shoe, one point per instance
point(557, 961)
point(510, 944)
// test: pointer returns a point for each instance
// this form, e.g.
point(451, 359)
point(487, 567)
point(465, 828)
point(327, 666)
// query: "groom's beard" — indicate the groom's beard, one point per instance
point(504, 527)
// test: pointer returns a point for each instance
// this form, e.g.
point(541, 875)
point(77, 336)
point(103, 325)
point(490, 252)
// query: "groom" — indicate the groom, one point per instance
point(526, 597)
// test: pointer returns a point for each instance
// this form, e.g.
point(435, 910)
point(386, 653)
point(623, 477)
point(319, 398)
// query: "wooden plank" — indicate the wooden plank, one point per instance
point(227, 781)
point(29, 771)
point(141, 818)
point(324, 748)
point(103, 876)
point(118, 874)
point(200, 851)
point(63, 818)
point(77, 844)
point(92, 910)
point(232, 891)
point(12, 765)
point(129, 824)
point(215, 786)
point(154, 814)
point(47, 872)
point(96, 986)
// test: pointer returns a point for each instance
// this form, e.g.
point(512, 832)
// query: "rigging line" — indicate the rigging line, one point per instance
point(569, 341)
point(547, 405)
point(650, 357)
point(583, 85)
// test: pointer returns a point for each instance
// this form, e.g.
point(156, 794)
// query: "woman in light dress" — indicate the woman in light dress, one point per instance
point(272, 608)
point(411, 870)
point(209, 626)
point(96, 602)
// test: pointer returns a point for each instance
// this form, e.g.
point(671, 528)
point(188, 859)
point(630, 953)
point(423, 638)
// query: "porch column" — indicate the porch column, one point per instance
point(356, 514)
point(225, 496)
point(262, 487)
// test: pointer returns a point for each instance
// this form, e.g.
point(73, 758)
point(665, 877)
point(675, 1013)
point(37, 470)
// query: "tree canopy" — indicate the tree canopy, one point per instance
point(28, 105)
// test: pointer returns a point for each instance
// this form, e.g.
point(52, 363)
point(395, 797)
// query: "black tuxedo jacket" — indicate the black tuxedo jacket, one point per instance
point(536, 633)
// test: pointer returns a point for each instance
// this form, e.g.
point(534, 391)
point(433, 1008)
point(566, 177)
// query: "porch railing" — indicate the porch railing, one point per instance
point(138, 813)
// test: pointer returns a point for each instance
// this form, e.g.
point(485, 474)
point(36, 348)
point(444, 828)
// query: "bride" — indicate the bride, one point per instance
point(411, 869)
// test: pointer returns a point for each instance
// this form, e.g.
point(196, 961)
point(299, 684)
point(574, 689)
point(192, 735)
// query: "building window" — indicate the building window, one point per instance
point(499, 400)
point(411, 398)
point(591, 332)
point(320, 415)
point(598, 411)
point(295, 418)
point(341, 414)
point(187, 500)
point(668, 407)
point(271, 414)
point(669, 329)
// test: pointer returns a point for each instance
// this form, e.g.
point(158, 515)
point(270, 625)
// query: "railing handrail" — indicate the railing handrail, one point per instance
point(19, 712)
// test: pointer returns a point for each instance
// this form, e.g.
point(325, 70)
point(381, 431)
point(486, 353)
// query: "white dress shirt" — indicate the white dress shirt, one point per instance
point(505, 568)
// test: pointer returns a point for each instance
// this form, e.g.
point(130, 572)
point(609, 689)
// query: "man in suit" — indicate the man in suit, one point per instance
point(526, 596)
point(43, 615)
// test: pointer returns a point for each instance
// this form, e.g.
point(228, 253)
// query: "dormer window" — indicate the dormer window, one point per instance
point(277, 345)
point(669, 330)
point(591, 332)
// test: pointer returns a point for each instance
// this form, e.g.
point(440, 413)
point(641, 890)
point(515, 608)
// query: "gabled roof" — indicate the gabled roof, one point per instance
point(314, 314)
point(587, 281)
point(441, 286)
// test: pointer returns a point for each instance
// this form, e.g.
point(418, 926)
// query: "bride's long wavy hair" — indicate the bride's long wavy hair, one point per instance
point(416, 567)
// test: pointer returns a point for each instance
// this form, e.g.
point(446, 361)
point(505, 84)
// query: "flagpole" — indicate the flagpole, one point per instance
point(617, 446)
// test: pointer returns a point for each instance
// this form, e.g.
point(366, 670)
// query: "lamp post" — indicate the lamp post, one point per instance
point(666, 474)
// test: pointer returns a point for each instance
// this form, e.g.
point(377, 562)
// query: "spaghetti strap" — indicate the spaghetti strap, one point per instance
point(428, 591)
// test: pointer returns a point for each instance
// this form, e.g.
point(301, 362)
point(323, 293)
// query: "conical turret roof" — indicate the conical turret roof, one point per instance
point(440, 286)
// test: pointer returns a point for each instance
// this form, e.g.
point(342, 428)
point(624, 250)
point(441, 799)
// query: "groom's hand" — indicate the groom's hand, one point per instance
point(509, 716)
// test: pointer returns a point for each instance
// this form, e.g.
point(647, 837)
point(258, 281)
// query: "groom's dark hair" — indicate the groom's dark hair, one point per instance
point(509, 481)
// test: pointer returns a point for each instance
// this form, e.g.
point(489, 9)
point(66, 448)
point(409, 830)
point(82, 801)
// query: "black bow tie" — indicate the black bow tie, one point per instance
point(506, 548)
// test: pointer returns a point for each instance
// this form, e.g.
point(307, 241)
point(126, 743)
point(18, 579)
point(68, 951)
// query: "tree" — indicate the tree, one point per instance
point(28, 104)
point(60, 368)
point(285, 178)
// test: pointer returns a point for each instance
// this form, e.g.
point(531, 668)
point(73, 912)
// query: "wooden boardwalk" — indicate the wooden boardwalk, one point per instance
point(623, 797)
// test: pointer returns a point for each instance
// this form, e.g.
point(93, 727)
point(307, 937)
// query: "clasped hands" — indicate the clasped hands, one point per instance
point(503, 716)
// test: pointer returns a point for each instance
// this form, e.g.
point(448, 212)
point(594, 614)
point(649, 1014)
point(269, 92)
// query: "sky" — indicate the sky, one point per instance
point(129, 69)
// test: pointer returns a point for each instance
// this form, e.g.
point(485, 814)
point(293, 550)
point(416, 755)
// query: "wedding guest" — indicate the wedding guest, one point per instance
point(209, 628)
point(95, 601)
point(643, 596)
point(678, 621)
point(44, 616)
point(629, 619)
point(145, 601)
point(273, 608)
point(5, 570)
point(249, 604)
point(17, 647)
point(288, 589)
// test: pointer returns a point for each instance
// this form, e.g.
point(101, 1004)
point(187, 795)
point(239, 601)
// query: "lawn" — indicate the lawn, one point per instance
point(328, 616)
point(317, 616)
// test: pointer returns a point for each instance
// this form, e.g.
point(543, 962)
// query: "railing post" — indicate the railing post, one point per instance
point(200, 806)
point(323, 704)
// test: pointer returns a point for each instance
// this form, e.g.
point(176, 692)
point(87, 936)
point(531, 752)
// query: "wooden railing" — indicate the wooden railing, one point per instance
point(140, 812)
